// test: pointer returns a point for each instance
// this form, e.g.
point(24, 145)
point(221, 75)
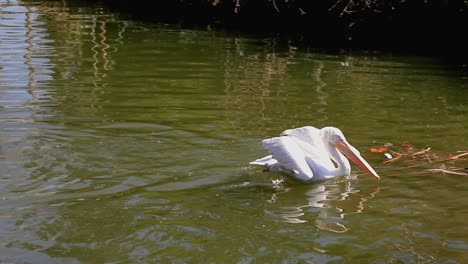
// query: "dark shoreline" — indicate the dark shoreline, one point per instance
point(424, 27)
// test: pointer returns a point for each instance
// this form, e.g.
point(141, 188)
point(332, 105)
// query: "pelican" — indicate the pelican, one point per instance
point(309, 154)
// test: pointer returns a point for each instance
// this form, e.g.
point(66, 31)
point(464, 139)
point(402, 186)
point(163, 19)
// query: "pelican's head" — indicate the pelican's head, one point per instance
point(336, 138)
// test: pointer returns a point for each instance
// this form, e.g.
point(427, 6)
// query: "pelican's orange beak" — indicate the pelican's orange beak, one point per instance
point(344, 147)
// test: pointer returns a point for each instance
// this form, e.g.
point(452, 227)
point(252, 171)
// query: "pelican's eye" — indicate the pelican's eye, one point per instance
point(335, 138)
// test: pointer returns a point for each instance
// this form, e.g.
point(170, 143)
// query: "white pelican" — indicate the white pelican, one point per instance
point(310, 154)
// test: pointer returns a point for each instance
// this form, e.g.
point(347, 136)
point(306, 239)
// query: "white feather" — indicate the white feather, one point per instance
point(308, 138)
point(290, 156)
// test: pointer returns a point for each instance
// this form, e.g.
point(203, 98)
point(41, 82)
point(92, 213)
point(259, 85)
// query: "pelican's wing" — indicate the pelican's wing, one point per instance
point(307, 134)
point(267, 161)
point(287, 152)
point(309, 140)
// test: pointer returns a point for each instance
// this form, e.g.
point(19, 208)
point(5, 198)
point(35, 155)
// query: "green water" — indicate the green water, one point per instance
point(128, 142)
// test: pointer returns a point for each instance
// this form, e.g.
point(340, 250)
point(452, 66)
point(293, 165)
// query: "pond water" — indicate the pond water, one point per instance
point(129, 142)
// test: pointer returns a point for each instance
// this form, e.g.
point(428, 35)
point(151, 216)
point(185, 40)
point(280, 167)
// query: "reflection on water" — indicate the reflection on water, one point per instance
point(333, 201)
point(32, 58)
point(129, 142)
point(251, 80)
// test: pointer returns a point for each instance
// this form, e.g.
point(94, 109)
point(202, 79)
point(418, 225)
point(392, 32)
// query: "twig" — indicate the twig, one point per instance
point(275, 6)
point(345, 9)
point(335, 5)
point(458, 156)
point(427, 157)
point(236, 9)
point(454, 171)
point(421, 152)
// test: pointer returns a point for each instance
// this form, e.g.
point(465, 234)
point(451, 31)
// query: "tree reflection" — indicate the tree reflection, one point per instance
point(265, 82)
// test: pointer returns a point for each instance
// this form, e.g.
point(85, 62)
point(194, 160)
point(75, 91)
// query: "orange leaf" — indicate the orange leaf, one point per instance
point(379, 150)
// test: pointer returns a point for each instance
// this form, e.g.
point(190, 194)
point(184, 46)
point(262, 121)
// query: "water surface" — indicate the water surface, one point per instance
point(128, 142)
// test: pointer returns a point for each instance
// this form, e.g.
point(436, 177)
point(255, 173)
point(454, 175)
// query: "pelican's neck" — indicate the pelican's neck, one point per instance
point(343, 166)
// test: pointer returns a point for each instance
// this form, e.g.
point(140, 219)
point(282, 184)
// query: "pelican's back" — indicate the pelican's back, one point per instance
point(309, 139)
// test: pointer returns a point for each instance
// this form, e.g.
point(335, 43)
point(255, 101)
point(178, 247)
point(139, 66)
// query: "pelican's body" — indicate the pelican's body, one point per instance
point(310, 154)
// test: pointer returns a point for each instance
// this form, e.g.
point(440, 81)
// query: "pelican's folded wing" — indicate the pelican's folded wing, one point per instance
point(309, 140)
point(290, 156)
point(308, 134)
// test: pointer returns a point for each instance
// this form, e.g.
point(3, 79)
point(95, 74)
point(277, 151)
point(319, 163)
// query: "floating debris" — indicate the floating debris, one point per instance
point(278, 183)
point(388, 155)
point(443, 170)
point(378, 150)
point(406, 153)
